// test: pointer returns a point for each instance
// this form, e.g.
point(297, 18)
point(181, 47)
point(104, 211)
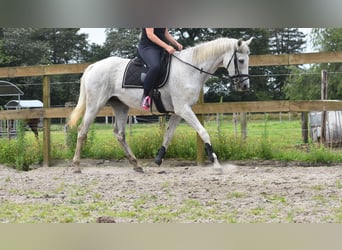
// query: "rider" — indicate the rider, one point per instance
point(151, 45)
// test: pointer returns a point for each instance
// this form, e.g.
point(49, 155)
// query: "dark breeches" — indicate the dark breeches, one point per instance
point(151, 56)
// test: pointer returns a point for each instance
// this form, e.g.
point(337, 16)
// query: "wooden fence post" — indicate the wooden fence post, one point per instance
point(324, 96)
point(243, 125)
point(46, 123)
point(305, 128)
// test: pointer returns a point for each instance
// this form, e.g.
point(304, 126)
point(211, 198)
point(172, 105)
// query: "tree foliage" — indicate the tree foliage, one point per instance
point(330, 40)
point(65, 45)
point(33, 46)
point(20, 48)
point(307, 83)
point(283, 41)
point(122, 42)
point(303, 84)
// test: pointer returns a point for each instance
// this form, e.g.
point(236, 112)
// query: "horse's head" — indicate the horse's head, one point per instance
point(237, 65)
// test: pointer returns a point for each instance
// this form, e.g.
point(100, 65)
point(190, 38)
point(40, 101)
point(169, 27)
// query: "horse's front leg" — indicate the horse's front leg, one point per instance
point(172, 125)
point(189, 116)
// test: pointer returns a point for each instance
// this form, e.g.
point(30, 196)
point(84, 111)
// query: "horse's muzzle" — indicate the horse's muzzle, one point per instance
point(241, 82)
point(244, 86)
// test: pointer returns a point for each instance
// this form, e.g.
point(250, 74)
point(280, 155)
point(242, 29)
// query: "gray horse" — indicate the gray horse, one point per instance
point(101, 83)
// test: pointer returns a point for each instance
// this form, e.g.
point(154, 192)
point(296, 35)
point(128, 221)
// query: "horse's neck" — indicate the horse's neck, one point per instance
point(209, 65)
point(211, 54)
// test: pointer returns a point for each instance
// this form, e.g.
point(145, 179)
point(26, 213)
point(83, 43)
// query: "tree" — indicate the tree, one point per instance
point(122, 42)
point(32, 46)
point(189, 37)
point(303, 84)
point(286, 41)
point(20, 48)
point(66, 45)
point(330, 40)
point(326, 39)
point(283, 41)
point(96, 52)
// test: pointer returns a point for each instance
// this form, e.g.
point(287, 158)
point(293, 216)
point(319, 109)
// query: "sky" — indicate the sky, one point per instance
point(98, 36)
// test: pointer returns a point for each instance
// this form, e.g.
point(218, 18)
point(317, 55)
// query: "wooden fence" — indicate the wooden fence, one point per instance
point(206, 108)
point(255, 60)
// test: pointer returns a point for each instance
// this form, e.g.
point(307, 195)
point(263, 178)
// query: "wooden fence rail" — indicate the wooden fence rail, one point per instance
point(206, 108)
point(255, 60)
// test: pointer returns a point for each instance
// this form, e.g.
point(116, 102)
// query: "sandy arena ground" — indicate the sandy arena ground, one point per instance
point(180, 191)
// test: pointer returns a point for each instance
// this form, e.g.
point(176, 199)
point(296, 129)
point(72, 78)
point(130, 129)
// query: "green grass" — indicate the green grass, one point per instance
point(266, 140)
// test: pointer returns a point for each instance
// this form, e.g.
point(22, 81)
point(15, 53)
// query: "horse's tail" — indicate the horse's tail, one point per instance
point(79, 110)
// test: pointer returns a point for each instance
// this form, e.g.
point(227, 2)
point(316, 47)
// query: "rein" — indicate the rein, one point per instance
point(195, 67)
point(232, 78)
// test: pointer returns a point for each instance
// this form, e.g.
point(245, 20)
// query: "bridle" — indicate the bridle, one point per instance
point(235, 79)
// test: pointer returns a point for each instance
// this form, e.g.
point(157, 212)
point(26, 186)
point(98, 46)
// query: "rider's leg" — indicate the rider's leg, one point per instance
point(151, 56)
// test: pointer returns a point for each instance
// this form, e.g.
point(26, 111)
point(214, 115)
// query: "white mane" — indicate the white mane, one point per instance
point(213, 48)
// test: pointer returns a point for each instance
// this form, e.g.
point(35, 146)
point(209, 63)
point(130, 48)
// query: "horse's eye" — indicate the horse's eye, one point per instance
point(241, 61)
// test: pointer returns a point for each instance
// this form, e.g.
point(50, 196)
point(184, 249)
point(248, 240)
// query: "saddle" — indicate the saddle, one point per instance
point(136, 70)
point(135, 73)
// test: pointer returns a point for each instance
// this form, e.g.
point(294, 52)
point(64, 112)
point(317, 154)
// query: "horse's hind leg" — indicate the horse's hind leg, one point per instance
point(172, 125)
point(83, 129)
point(33, 124)
point(35, 131)
point(121, 115)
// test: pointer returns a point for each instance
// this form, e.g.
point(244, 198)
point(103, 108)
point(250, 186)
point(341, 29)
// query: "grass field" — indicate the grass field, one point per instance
point(268, 138)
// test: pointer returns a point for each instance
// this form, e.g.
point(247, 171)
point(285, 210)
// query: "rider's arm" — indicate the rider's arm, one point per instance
point(150, 34)
point(172, 40)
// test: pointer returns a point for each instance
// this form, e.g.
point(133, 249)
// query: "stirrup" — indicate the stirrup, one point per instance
point(146, 104)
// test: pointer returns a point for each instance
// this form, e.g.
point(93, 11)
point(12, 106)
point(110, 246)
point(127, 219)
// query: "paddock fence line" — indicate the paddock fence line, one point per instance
point(209, 108)
point(205, 108)
point(254, 60)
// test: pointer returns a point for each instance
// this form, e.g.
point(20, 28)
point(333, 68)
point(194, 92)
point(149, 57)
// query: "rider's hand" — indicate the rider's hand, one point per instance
point(170, 50)
point(179, 46)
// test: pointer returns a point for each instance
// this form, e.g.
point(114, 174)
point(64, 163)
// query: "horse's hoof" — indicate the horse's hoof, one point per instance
point(160, 156)
point(158, 161)
point(217, 168)
point(217, 171)
point(77, 171)
point(138, 169)
point(216, 164)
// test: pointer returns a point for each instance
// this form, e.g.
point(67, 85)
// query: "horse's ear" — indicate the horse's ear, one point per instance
point(239, 42)
point(249, 40)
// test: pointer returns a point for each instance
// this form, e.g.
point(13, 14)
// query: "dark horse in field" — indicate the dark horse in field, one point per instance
point(33, 124)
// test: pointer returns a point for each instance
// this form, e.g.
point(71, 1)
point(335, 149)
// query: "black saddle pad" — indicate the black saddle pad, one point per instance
point(136, 67)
